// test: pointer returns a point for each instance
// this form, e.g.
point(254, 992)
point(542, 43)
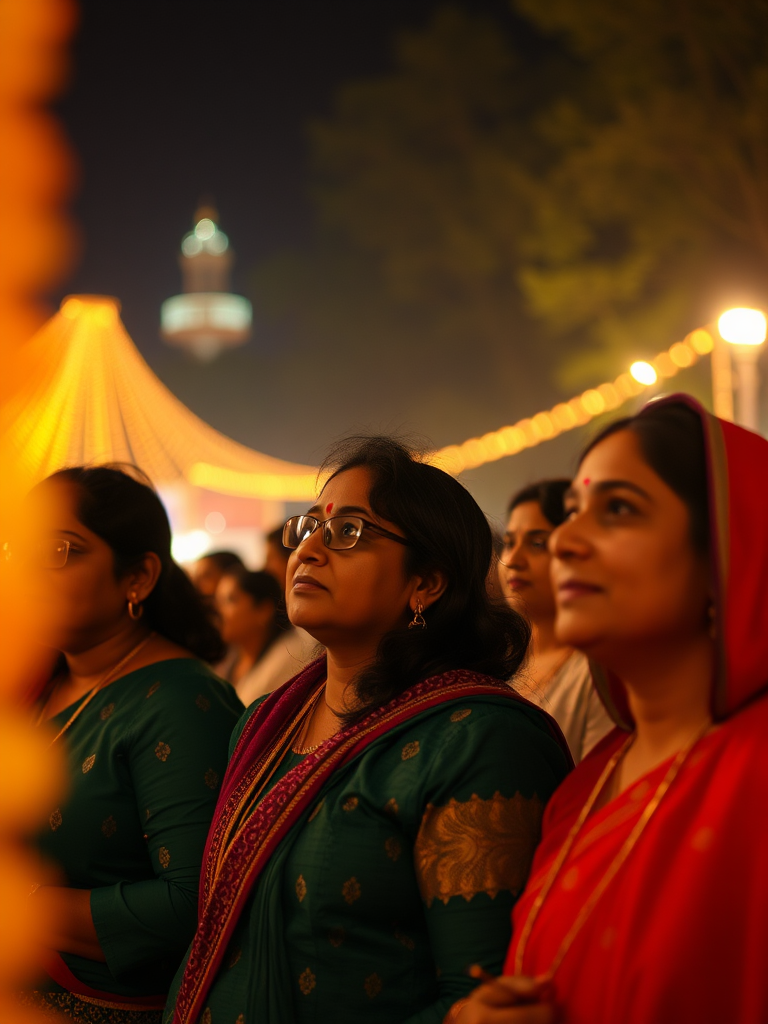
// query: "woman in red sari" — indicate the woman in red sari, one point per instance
point(647, 902)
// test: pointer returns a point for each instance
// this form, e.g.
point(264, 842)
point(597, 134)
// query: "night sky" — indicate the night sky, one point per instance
point(170, 102)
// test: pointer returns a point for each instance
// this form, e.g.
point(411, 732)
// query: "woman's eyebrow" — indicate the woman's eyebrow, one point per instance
point(344, 510)
point(69, 533)
point(609, 485)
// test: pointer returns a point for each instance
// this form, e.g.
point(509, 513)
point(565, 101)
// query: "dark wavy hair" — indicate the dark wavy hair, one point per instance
point(671, 439)
point(446, 531)
point(549, 495)
point(120, 506)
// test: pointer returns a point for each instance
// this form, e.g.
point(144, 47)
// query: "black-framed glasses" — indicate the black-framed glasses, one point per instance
point(340, 533)
point(47, 554)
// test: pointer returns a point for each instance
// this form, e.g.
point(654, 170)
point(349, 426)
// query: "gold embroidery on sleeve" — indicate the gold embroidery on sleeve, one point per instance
point(410, 750)
point(350, 803)
point(109, 827)
point(106, 712)
point(463, 713)
point(301, 888)
point(351, 890)
point(88, 763)
point(307, 981)
point(55, 819)
point(372, 985)
point(478, 846)
point(162, 750)
point(391, 807)
point(164, 856)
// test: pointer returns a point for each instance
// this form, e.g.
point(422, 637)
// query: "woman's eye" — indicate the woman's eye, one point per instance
point(570, 512)
point(348, 530)
point(540, 544)
point(620, 507)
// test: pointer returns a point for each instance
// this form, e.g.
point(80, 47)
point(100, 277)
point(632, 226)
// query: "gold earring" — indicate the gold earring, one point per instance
point(418, 621)
point(135, 609)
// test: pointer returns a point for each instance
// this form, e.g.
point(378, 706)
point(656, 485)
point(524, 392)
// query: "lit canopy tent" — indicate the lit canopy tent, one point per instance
point(101, 403)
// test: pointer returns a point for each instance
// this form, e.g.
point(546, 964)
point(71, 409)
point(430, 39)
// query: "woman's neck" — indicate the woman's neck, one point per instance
point(87, 667)
point(543, 639)
point(669, 689)
point(343, 666)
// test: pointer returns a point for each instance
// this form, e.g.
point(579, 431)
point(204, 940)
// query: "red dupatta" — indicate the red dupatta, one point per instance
point(236, 854)
point(681, 933)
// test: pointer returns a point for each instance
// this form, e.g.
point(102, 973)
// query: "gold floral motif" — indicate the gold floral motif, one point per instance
point(55, 819)
point(316, 810)
point(307, 981)
point(162, 750)
point(406, 940)
point(391, 807)
point(240, 1018)
point(461, 714)
point(202, 702)
point(351, 890)
point(350, 803)
point(88, 763)
point(477, 846)
point(234, 958)
point(153, 689)
point(410, 750)
point(109, 826)
point(164, 857)
point(205, 1016)
point(393, 847)
point(301, 888)
point(372, 985)
point(106, 712)
point(336, 936)
point(211, 778)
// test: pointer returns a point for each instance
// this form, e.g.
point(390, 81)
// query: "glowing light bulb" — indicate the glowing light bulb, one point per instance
point(643, 373)
point(743, 326)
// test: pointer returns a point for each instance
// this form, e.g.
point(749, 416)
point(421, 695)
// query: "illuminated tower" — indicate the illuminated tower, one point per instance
point(207, 317)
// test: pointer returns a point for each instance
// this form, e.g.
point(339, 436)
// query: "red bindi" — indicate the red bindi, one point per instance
point(585, 481)
point(328, 507)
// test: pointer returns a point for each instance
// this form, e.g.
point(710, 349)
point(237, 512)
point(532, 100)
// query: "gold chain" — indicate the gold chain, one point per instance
point(617, 862)
point(296, 747)
point(109, 677)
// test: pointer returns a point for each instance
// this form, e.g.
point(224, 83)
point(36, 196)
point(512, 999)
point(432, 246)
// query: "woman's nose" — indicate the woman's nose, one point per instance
point(312, 548)
point(568, 540)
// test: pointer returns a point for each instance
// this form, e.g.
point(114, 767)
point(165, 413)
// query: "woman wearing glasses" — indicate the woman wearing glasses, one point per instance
point(380, 811)
point(556, 676)
point(144, 725)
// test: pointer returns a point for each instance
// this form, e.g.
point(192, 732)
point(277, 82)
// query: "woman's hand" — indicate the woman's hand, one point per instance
point(507, 1000)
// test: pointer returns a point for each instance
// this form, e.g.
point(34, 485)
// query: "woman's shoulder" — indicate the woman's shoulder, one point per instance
point(180, 683)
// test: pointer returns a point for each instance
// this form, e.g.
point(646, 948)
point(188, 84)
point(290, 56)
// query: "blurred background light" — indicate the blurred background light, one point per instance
point(643, 373)
point(743, 326)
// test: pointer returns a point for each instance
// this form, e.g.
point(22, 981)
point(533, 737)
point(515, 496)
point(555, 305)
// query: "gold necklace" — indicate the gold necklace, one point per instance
point(99, 686)
point(617, 862)
point(296, 747)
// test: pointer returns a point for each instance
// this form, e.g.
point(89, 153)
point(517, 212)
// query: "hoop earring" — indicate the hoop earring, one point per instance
point(418, 621)
point(135, 609)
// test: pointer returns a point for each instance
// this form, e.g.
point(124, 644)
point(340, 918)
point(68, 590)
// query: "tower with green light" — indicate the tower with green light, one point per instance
point(207, 317)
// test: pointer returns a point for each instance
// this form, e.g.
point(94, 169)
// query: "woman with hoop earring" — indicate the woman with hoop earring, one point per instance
point(144, 725)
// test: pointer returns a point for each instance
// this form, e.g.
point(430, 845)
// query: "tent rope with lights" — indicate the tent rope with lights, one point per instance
point(100, 402)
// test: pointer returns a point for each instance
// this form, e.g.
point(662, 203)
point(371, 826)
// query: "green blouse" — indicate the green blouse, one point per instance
point(402, 875)
point(145, 761)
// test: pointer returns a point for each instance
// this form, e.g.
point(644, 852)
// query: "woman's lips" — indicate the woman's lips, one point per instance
point(306, 584)
point(517, 583)
point(570, 589)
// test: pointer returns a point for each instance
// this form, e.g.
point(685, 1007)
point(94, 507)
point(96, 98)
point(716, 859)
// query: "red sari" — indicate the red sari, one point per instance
point(681, 932)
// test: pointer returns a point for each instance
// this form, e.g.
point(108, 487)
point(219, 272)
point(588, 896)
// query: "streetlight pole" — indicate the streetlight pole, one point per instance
point(744, 330)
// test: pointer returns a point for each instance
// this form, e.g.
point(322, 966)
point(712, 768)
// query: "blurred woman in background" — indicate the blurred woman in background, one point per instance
point(144, 724)
point(648, 899)
point(556, 676)
point(379, 812)
point(264, 650)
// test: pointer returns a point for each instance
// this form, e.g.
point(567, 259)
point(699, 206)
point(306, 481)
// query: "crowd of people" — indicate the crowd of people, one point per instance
point(342, 787)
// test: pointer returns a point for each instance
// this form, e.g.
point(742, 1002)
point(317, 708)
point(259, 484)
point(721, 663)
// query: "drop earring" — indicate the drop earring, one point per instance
point(418, 621)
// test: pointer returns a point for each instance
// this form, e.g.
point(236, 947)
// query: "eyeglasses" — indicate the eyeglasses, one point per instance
point(47, 554)
point(340, 533)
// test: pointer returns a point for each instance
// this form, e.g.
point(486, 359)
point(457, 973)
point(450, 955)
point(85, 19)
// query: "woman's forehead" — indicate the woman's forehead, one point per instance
point(350, 487)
